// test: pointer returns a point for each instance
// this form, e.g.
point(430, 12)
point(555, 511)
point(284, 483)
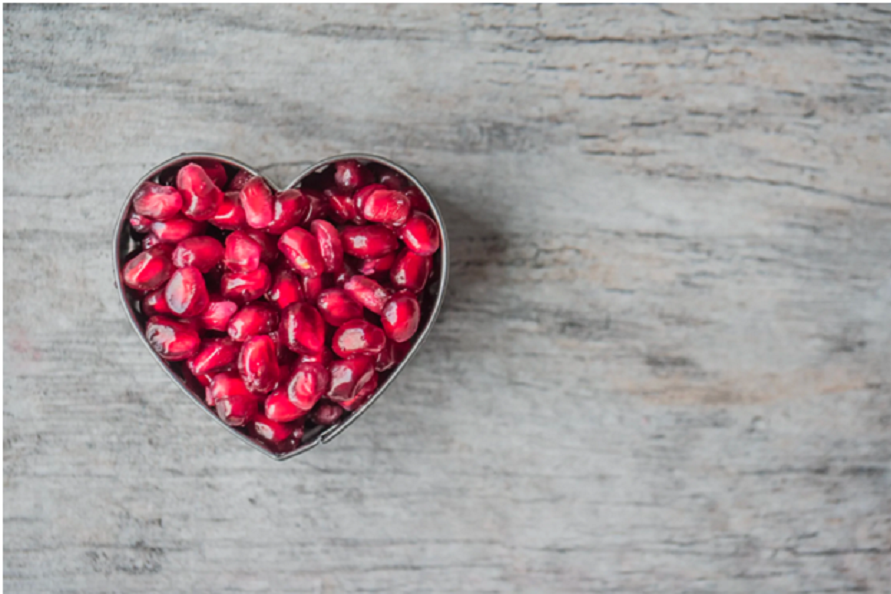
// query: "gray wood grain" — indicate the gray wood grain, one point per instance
point(663, 365)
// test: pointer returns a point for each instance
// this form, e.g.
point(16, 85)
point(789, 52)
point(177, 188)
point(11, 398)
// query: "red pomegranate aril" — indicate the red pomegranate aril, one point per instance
point(268, 430)
point(297, 430)
point(289, 210)
point(242, 253)
point(326, 413)
point(392, 180)
point(368, 241)
point(218, 313)
point(343, 207)
point(349, 175)
point(374, 266)
point(358, 337)
point(303, 328)
point(301, 249)
point(283, 353)
point(309, 383)
point(349, 376)
point(258, 364)
point(252, 320)
point(177, 229)
point(215, 170)
point(224, 385)
point(202, 252)
point(410, 271)
point(148, 270)
point(313, 287)
point(139, 223)
point(350, 269)
point(329, 244)
point(171, 339)
point(386, 359)
point(279, 407)
point(367, 292)
point(387, 207)
point(150, 241)
point(421, 234)
point(337, 307)
point(362, 395)
point(204, 378)
point(201, 197)
point(157, 202)
point(318, 206)
point(268, 245)
point(286, 288)
point(239, 180)
point(325, 357)
point(401, 316)
point(214, 355)
point(237, 410)
point(186, 292)
point(258, 203)
point(418, 202)
point(360, 195)
point(155, 303)
point(246, 286)
point(230, 214)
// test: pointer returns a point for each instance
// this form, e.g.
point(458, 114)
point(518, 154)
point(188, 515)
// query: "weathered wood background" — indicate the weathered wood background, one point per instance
point(665, 360)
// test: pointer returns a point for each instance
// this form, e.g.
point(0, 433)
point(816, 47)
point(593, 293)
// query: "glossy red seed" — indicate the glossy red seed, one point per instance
point(286, 358)
point(309, 383)
point(367, 293)
point(348, 271)
point(362, 194)
point(246, 286)
point(358, 337)
point(239, 180)
point(266, 429)
point(171, 339)
point(349, 175)
point(362, 395)
point(279, 408)
point(157, 202)
point(418, 202)
point(214, 355)
point(286, 288)
point(386, 359)
point(374, 266)
point(177, 229)
point(215, 170)
point(150, 241)
point(369, 241)
point(318, 206)
point(297, 429)
point(303, 328)
point(313, 287)
point(230, 214)
point(252, 320)
point(392, 180)
point(329, 245)
point(325, 357)
point(186, 292)
point(268, 245)
point(410, 271)
point(289, 210)
point(401, 316)
point(258, 203)
point(148, 270)
point(237, 410)
point(242, 253)
point(301, 249)
point(258, 364)
point(218, 313)
point(202, 252)
point(201, 197)
point(337, 307)
point(387, 207)
point(343, 206)
point(139, 223)
point(420, 234)
point(204, 378)
point(155, 303)
point(224, 385)
point(326, 413)
point(349, 376)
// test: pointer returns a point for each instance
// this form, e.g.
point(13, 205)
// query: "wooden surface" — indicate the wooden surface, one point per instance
point(663, 365)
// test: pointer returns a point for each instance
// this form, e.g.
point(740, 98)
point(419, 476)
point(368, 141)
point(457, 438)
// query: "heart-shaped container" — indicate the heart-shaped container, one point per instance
point(125, 243)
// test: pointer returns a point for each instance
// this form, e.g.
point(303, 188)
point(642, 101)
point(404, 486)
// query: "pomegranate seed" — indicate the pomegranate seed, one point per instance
point(326, 413)
point(237, 410)
point(224, 385)
point(410, 271)
point(367, 292)
point(258, 364)
point(318, 206)
point(242, 252)
point(303, 328)
point(387, 207)
point(418, 202)
point(349, 175)
point(214, 355)
point(313, 287)
point(201, 198)
point(309, 383)
point(325, 357)
point(400, 317)
point(349, 376)
point(252, 320)
point(258, 202)
point(346, 273)
point(358, 337)
point(362, 194)
point(302, 251)
point(150, 241)
point(268, 245)
point(230, 214)
point(215, 170)
point(289, 210)
point(337, 307)
point(139, 223)
point(155, 303)
point(286, 288)
point(186, 292)
point(279, 408)
point(296, 434)
point(361, 396)
point(343, 206)
point(177, 229)
point(370, 241)
point(420, 234)
point(219, 311)
point(246, 286)
point(157, 202)
point(239, 180)
point(329, 245)
point(269, 430)
point(148, 270)
point(171, 339)
point(204, 378)
point(374, 266)
point(393, 180)
point(202, 252)
point(386, 359)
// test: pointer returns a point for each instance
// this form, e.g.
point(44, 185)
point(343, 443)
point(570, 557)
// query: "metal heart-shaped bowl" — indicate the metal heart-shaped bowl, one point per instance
point(125, 243)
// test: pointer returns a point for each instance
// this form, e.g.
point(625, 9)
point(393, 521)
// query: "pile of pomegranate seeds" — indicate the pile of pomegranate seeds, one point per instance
point(291, 307)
